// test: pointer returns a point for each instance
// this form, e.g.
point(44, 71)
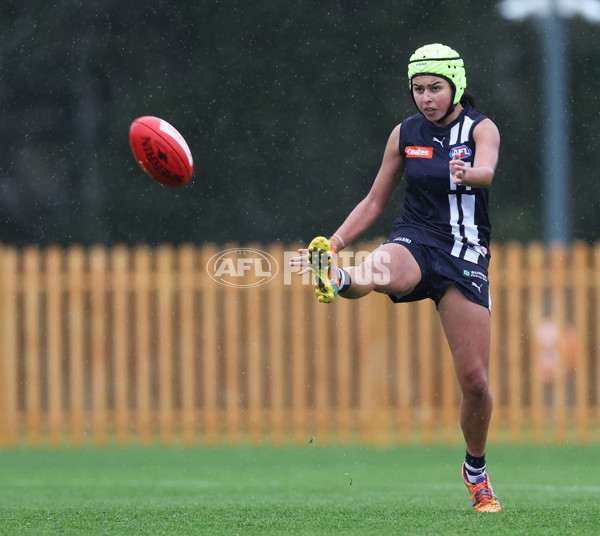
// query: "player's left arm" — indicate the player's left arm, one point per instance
point(487, 143)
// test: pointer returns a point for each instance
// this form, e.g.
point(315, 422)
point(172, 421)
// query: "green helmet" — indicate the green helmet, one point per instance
point(439, 60)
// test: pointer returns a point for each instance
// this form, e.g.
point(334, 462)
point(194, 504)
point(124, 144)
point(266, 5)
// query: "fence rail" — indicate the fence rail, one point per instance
point(137, 345)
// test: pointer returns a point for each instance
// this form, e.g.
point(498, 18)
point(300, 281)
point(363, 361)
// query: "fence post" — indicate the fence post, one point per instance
point(558, 260)
point(77, 338)
point(537, 282)
point(187, 294)
point(120, 323)
point(514, 278)
point(426, 368)
point(577, 350)
point(403, 335)
point(232, 322)
point(298, 347)
point(165, 343)
point(210, 343)
point(252, 316)
point(496, 274)
point(255, 364)
point(380, 326)
point(143, 330)
point(276, 292)
point(98, 327)
point(320, 328)
point(9, 393)
point(31, 318)
point(344, 352)
point(364, 311)
point(54, 283)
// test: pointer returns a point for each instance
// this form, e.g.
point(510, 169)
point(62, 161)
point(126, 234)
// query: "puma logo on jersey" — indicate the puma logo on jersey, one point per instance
point(478, 287)
point(419, 152)
point(441, 142)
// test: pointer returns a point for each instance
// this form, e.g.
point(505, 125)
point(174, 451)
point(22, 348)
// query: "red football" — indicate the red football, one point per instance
point(161, 151)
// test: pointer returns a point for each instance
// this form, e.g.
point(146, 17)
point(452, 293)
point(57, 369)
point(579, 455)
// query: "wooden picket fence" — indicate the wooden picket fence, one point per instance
point(140, 345)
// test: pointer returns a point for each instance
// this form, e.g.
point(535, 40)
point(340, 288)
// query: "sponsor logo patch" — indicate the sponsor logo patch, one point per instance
point(419, 152)
point(475, 274)
point(479, 275)
point(402, 239)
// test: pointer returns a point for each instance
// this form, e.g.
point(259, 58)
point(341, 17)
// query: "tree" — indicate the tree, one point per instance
point(286, 107)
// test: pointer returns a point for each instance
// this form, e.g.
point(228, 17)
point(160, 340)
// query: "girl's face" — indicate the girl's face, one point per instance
point(433, 96)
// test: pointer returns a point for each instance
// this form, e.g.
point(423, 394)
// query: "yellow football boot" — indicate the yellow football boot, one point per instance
point(323, 268)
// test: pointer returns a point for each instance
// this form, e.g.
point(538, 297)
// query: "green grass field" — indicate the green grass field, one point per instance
point(311, 490)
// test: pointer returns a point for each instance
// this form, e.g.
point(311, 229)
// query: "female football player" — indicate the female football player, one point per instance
point(439, 247)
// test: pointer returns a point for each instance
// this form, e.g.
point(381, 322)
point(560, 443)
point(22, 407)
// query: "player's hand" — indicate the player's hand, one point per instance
point(301, 261)
point(458, 170)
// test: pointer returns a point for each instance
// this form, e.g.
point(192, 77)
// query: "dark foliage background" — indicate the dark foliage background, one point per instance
point(286, 107)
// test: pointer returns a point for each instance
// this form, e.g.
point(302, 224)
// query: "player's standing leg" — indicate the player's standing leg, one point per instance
point(467, 328)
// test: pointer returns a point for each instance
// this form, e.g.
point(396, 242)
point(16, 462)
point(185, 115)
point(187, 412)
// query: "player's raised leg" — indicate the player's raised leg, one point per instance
point(390, 269)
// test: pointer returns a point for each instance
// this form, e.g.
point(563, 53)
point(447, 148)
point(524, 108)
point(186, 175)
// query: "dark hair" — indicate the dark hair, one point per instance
point(467, 97)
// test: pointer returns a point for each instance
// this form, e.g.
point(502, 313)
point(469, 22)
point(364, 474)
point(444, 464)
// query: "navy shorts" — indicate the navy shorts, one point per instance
point(439, 270)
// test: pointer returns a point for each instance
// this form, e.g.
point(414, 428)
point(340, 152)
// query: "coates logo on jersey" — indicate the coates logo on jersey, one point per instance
point(462, 152)
point(419, 152)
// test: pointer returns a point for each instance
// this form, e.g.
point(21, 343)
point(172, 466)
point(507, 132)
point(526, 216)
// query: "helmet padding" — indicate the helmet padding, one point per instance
point(439, 60)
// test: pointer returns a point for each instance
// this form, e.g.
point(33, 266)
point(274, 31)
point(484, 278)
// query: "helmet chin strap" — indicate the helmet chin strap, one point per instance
point(450, 110)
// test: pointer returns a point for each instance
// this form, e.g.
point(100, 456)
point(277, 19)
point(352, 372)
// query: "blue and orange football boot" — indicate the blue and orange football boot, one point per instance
point(324, 269)
point(482, 494)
